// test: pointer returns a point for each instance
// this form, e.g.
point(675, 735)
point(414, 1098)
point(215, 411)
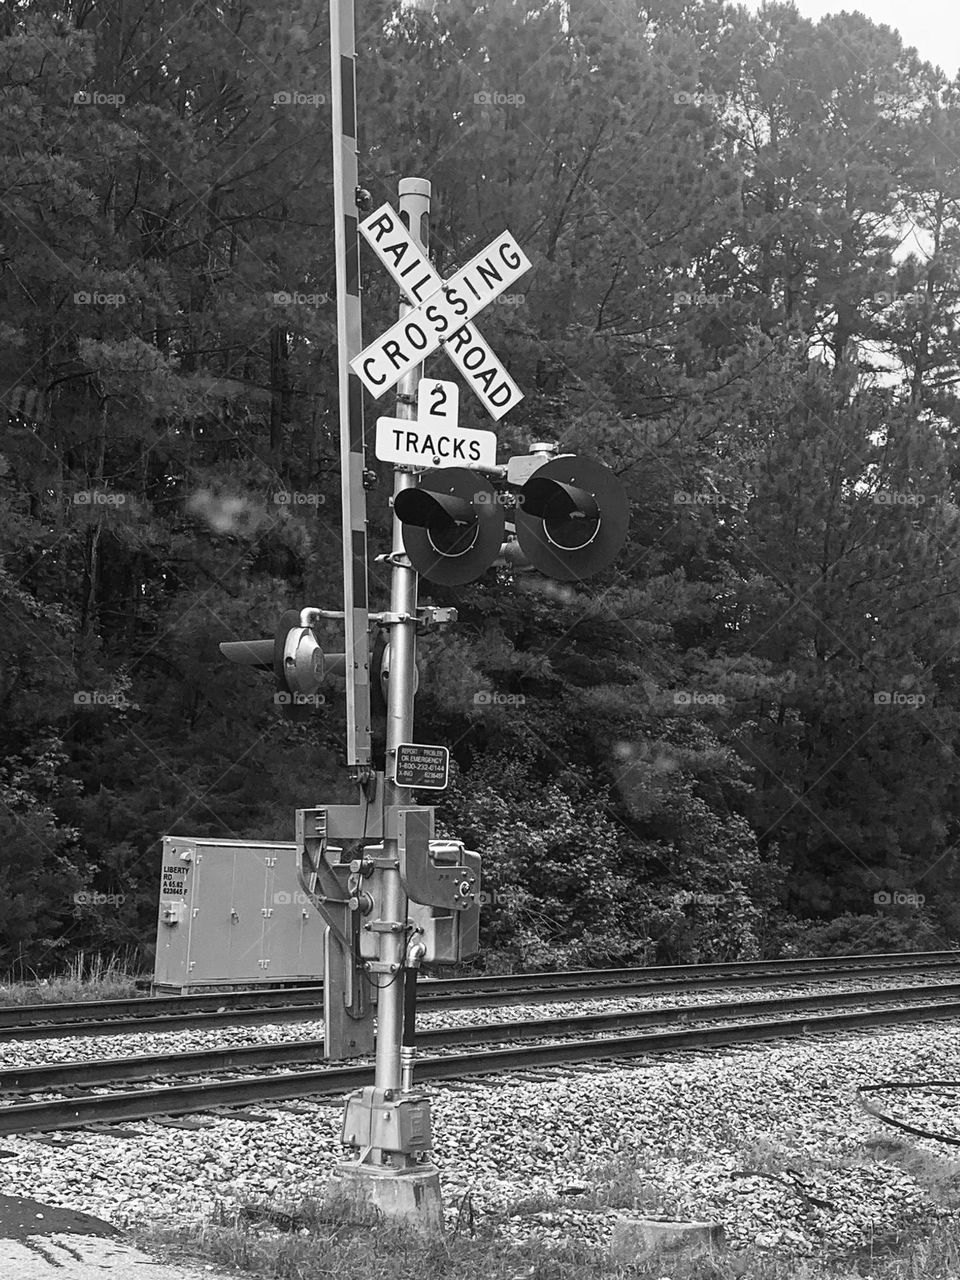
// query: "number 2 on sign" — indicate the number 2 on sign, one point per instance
point(438, 402)
point(438, 395)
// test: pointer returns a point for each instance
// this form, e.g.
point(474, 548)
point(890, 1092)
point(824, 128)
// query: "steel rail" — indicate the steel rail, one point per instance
point(145, 1007)
point(219, 1009)
point(142, 1104)
point(149, 1067)
point(885, 960)
point(306, 1012)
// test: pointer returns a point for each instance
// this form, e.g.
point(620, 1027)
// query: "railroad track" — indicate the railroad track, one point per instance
point(304, 1004)
point(942, 1001)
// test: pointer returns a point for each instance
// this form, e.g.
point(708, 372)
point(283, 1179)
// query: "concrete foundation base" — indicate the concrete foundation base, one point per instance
point(635, 1239)
point(407, 1197)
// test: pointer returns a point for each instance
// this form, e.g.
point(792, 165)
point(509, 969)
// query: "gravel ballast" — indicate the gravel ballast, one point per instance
point(47, 1052)
point(767, 1140)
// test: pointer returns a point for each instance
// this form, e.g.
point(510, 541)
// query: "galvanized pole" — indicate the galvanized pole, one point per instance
point(414, 210)
point(388, 1123)
point(356, 622)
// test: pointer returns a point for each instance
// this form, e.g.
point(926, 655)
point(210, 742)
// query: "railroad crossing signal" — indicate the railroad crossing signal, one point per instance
point(298, 663)
point(363, 865)
point(569, 517)
point(442, 312)
point(572, 520)
point(453, 525)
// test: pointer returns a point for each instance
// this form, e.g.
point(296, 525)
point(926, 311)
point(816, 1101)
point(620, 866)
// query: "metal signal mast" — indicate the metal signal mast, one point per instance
point(356, 622)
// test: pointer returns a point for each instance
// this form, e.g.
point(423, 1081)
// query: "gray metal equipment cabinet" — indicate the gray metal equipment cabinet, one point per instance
point(232, 912)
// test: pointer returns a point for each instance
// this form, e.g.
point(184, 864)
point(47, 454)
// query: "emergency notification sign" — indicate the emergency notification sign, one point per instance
point(421, 766)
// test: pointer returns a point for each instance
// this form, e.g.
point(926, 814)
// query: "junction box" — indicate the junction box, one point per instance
point(232, 912)
point(402, 1124)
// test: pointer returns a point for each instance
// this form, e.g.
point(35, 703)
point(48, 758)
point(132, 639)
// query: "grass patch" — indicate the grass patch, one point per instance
point(938, 1175)
point(302, 1241)
point(88, 977)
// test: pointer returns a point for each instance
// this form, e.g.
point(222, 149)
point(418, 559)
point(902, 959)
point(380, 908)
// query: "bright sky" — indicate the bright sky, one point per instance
point(931, 26)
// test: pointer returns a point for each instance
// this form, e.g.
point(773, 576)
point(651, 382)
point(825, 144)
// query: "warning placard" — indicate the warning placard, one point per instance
point(414, 273)
point(443, 316)
point(174, 882)
point(422, 766)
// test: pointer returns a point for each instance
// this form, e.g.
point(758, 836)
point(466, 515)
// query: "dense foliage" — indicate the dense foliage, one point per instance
point(746, 255)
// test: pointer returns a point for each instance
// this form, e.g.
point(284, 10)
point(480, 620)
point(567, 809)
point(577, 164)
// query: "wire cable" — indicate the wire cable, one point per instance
point(900, 1086)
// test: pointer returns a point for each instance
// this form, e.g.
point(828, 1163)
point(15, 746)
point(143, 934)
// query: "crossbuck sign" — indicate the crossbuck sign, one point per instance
point(442, 311)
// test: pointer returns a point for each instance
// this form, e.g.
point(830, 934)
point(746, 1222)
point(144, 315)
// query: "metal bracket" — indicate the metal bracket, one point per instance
point(427, 615)
point(431, 615)
point(367, 777)
point(399, 559)
point(317, 878)
point(390, 619)
point(433, 877)
point(393, 817)
point(309, 616)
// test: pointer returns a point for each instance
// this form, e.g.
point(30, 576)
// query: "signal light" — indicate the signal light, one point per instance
point(296, 659)
point(453, 524)
point(571, 517)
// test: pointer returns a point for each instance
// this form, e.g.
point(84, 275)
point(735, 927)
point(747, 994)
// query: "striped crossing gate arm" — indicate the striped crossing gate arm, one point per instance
point(349, 344)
